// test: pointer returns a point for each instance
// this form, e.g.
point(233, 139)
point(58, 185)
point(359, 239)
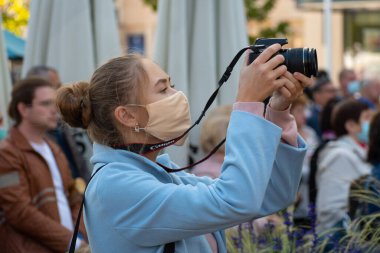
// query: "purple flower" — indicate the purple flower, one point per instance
point(240, 238)
point(262, 240)
point(251, 231)
point(298, 235)
point(288, 222)
point(313, 223)
point(269, 226)
point(277, 244)
point(235, 240)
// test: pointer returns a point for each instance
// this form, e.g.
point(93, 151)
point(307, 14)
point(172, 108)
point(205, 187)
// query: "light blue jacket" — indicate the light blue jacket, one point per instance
point(133, 205)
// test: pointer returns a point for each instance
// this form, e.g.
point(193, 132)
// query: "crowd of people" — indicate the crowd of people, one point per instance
point(135, 202)
point(335, 120)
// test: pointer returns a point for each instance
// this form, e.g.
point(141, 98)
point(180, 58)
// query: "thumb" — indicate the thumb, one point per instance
point(246, 58)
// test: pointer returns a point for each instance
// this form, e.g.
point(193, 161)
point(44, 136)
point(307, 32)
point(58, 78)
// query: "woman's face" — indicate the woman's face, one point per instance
point(366, 116)
point(159, 85)
point(356, 127)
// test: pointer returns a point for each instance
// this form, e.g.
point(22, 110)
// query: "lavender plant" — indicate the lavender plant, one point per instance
point(362, 236)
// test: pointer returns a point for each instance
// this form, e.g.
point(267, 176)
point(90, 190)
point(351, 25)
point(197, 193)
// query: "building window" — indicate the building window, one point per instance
point(362, 29)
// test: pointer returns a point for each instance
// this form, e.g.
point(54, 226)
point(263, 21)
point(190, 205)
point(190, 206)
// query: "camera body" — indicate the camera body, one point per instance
point(303, 60)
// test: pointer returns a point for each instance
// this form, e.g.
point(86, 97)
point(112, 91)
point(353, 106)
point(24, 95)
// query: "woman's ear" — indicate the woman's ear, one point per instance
point(125, 116)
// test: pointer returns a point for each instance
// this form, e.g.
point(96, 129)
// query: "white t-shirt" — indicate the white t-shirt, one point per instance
point(63, 206)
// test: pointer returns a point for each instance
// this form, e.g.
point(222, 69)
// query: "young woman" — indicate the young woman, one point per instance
point(133, 204)
point(341, 162)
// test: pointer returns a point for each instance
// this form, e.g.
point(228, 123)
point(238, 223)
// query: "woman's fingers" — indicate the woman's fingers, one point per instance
point(281, 70)
point(305, 81)
point(285, 92)
point(291, 87)
point(267, 54)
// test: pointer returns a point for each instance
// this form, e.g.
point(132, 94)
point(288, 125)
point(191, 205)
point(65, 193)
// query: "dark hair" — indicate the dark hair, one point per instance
point(91, 105)
point(320, 83)
point(374, 140)
point(323, 74)
point(39, 71)
point(23, 92)
point(325, 115)
point(344, 111)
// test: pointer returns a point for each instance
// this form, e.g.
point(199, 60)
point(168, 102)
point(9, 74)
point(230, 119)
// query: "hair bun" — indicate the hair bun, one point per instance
point(74, 104)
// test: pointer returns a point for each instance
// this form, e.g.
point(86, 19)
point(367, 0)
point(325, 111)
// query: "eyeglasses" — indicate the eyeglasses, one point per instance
point(44, 103)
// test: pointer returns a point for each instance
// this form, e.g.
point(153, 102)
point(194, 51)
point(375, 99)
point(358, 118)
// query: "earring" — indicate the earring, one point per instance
point(137, 128)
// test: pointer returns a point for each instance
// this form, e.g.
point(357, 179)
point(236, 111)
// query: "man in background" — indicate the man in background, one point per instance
point(323, 90)
point(38, 203)
point(370, 92)
point(63, 134)
point(346, 76)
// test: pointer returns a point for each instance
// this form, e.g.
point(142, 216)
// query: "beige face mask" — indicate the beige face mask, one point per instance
point(169, 118)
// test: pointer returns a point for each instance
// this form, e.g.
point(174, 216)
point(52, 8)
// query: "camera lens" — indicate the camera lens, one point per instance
point(310, 61)
point(303, 60)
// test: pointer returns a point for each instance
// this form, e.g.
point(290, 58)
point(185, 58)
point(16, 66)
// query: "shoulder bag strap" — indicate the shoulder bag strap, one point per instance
point(169, 247)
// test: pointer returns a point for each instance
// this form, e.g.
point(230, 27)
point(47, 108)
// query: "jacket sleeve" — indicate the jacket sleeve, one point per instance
point(285, 178)
point(155, 213)
point(285, 175)
point(19, 212)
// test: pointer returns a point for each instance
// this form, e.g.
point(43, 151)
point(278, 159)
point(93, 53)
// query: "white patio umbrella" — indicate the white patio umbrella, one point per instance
point(195, 42)
point(5, 79)
point(74, 37)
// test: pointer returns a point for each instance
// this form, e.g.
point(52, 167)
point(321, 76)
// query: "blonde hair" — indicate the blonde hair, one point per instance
point(91, 105)
point(301, 100)
point(214, 128)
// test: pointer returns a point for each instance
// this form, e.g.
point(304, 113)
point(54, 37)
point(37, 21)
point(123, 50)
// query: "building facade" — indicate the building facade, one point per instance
point(355, 30)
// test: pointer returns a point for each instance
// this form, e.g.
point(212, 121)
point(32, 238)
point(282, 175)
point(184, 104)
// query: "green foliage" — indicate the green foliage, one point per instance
point(152, 3)
point(259, 13)
point(15, 15)
point(279, 31)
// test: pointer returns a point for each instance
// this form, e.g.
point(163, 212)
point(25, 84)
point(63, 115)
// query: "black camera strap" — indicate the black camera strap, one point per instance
point(147, 148)
point(77, 223)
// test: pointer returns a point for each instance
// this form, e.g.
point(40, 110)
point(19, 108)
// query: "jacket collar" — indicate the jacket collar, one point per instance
point(103, 154)
point(348, 142)
point(19, 141)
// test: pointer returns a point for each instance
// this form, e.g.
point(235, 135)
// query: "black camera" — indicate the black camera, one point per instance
point(303, 60)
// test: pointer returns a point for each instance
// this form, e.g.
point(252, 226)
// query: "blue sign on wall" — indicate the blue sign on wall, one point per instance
point(136, 43)
point(15, 45)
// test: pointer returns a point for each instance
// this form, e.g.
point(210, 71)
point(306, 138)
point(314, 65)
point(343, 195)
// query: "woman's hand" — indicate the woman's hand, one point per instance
point(293, 86)
point(260, 79)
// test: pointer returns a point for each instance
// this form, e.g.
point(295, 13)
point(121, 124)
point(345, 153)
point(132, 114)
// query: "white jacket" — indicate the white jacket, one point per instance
point(339, 163)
